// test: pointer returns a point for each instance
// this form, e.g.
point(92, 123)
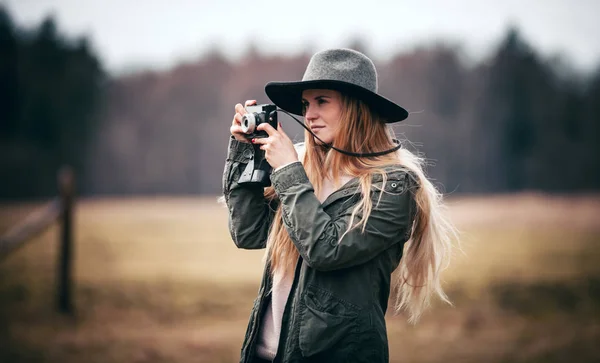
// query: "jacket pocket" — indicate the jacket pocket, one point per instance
point(326, 321)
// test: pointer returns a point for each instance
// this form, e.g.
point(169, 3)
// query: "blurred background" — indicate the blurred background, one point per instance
point(137, 98)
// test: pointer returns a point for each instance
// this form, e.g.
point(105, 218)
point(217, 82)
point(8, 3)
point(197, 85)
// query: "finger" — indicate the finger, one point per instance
point(236, 129)
point(267, 128)
point(240, 109)
point(261, 140)
point(280, 129)
point(237, 119)
point(238, 134)
point(250, 103)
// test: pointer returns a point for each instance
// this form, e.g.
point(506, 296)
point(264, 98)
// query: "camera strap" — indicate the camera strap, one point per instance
point(349, 153)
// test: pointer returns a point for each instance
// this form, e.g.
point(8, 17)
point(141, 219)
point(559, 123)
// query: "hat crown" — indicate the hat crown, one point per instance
point(345, 65)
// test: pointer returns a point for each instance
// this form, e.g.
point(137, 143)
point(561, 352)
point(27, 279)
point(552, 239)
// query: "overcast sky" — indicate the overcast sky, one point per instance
point(159, 33)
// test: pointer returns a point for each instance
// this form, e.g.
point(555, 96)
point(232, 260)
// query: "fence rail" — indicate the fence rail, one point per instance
point(58, 210)
point(28, 228)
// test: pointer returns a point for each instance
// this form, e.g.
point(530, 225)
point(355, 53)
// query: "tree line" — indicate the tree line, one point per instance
point(51, 90)
point(514, 121)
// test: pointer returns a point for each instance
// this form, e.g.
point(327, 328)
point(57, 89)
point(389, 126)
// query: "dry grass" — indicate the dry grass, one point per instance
point(160, 280)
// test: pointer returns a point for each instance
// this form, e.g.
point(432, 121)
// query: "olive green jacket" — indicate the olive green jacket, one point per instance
point(336, 307)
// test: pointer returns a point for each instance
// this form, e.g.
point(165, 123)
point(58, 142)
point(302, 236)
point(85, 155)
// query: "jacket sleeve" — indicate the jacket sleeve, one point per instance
point(322, 240)
point(250, 214)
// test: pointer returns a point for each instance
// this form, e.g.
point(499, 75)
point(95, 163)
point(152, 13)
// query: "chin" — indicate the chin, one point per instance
point(323, 143)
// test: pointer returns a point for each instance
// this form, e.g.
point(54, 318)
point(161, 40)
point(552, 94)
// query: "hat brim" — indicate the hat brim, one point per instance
point(288, 96)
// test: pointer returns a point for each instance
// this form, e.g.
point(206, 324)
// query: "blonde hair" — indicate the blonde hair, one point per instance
point(426, 253)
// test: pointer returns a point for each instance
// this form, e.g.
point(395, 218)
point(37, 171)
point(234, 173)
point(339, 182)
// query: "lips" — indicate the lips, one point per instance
point(316, 128)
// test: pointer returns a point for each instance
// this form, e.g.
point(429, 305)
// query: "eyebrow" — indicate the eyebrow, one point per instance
point(316, 98)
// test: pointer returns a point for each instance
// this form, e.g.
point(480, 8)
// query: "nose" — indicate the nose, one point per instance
point(310, 113)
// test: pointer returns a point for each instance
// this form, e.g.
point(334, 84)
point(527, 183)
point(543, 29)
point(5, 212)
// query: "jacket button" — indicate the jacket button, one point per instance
point(345, 192)
point(248, 154)
point(394, 185)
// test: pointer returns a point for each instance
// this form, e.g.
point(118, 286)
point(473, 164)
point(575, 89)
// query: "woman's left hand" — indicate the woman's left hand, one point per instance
point(279, 149)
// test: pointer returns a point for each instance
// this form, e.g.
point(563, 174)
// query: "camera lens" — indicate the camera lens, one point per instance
point(248, 123)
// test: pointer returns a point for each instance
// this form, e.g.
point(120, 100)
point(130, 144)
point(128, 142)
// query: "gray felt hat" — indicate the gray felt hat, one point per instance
point(344, 70)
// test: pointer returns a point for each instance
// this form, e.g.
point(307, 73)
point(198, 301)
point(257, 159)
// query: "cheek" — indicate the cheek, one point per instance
point(331, 117)
point(334, 120)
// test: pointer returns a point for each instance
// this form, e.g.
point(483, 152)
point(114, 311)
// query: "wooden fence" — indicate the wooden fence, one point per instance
point(58, 210)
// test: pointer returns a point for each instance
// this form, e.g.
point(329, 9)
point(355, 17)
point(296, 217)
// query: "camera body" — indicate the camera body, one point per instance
point(257, 115)
point(258, 170)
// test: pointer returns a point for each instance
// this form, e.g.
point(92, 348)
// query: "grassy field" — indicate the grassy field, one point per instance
point(159, 280)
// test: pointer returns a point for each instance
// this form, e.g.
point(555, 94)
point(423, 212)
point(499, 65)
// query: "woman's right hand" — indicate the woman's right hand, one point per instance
point(236, 125)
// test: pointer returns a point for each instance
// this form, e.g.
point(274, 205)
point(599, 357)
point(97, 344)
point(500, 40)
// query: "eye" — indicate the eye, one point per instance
point(321, 101)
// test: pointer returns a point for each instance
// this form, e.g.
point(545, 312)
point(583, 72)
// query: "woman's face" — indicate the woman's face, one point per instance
point(322, 111)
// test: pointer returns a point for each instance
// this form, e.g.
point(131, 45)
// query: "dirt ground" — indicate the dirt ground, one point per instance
point(159, 280)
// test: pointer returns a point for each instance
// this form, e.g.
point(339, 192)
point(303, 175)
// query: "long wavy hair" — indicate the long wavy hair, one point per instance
point(426, 253)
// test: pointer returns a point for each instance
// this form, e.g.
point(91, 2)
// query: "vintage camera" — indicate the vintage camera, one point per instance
point(258, 170)
point(257, 115)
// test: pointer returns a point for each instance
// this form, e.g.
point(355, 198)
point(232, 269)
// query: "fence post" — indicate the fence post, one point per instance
point(66, 186)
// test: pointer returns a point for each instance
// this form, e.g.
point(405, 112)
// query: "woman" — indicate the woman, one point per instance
point(341, 211)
